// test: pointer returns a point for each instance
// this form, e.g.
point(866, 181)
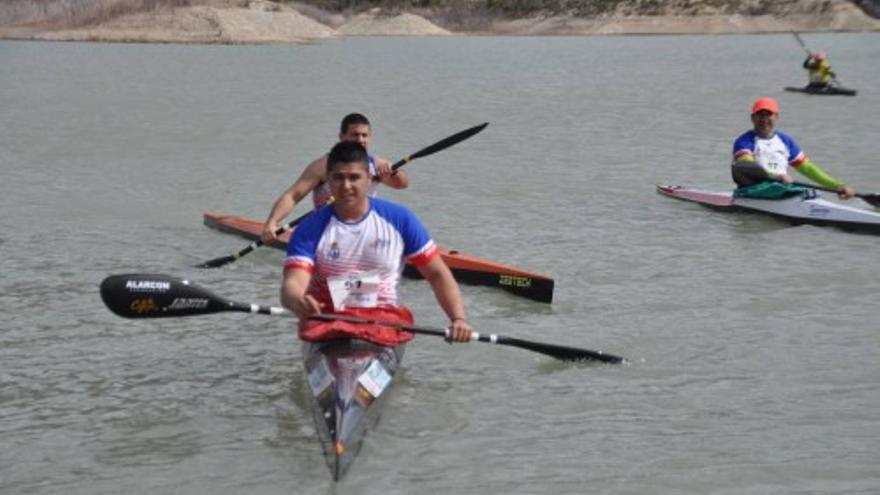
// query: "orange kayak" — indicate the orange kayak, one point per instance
point(467, 269)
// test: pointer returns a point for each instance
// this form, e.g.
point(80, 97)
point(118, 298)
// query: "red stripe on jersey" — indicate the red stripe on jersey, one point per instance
point(426, 256)
point(299, 265)
point(741, 153)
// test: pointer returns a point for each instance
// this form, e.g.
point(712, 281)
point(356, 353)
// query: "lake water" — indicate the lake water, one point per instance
point(752, 345)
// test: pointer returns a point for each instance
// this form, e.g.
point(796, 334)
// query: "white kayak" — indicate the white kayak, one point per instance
point(796, 210)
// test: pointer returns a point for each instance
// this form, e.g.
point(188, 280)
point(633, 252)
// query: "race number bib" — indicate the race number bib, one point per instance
point(772, 155)
point(775, 164)
point(356, 290)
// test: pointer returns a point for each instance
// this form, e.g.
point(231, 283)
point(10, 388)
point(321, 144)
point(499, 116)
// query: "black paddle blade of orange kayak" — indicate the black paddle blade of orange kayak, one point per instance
point(225, 260)
point(217, 262)
point(442, 144)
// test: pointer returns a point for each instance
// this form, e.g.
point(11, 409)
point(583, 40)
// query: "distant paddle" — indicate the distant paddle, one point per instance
point(872, 199)
point(434, 148)
point(801, 42)
point(144, 295)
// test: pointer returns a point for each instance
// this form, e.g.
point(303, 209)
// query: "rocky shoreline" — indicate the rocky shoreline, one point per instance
point(265, 22)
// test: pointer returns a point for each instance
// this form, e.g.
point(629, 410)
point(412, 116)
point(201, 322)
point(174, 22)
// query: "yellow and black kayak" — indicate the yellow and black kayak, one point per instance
point(826, 90)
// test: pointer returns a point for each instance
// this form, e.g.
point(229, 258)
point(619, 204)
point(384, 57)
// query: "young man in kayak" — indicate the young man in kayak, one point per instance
point(764, 154)
point(355, 128)
point(347, 257)
point(820, 71)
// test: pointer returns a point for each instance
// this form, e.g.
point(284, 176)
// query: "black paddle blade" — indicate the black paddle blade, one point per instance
point(445, 143)
point(144, 295)
point(217, 262)
point(563, 353)
point(225, 260)
point(872, 199)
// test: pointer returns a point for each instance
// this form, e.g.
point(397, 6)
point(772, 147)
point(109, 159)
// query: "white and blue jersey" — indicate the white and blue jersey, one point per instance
point(774, 154)
point(322, 193)
point(364, 258)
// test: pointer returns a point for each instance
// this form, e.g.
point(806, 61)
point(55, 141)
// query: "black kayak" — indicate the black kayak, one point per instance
point(827, 90)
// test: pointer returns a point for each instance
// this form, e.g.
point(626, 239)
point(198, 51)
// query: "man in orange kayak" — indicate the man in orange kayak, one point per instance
point(764, 154)
point(347, 257)
point(355, 128)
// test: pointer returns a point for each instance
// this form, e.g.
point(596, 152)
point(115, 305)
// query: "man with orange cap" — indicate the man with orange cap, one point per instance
point(764, 154)
point(820, 71)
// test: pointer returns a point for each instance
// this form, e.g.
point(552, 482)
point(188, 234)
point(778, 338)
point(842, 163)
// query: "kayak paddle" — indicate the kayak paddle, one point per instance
point(145, 295)
point(557, 351)
point(801, 42)
point(872, 199)
point(434, 148)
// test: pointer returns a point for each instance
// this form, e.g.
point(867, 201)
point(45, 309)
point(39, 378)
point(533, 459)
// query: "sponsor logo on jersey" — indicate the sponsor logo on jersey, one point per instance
point(380, 243)
point(334, 251)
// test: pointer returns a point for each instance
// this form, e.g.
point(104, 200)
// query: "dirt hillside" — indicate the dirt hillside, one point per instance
point(262, 21)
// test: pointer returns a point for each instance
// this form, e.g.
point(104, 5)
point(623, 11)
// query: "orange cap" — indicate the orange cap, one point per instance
point(765, 103)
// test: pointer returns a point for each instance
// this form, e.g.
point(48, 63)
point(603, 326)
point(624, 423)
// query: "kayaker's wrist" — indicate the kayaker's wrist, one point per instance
point(458, 318)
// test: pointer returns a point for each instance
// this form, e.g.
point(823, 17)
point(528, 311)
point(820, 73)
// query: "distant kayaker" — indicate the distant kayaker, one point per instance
point(764, 154)
point(347, 257)
point(355, 127)
point(819, 70)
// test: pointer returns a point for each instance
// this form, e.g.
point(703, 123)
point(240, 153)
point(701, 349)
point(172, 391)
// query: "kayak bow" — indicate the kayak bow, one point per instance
point(795, 210)
point(348, 379)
